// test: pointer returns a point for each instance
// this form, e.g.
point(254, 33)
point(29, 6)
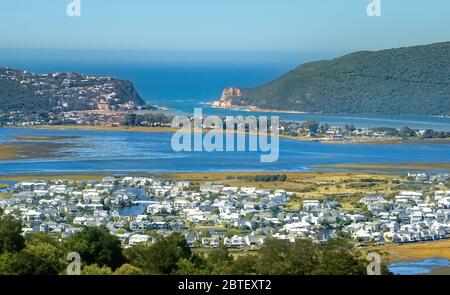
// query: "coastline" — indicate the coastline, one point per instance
point(389, 167)
point(324, 140)
point(254, 109)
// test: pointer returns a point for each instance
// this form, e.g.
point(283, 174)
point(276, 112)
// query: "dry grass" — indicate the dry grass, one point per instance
point(392, 166)
point(411, 252)
point(5, 195)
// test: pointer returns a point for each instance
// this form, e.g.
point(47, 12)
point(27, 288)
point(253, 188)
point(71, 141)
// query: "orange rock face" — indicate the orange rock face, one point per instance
point(227, 96)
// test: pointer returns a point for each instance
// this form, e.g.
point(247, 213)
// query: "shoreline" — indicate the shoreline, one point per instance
point(194, 176)
point(324, 140)
point(389, 167)
point(255, 109)
point(222, 175)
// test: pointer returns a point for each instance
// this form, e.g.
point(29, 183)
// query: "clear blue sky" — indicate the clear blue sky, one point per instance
point(257, 25)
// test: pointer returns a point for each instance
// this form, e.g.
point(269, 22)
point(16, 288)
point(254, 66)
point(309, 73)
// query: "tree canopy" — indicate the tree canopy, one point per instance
point(97, 246)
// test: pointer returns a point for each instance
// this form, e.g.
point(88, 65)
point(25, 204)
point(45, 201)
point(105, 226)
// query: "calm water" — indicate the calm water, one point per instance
point(418, 268)
point(135, 210)
point(151, 152)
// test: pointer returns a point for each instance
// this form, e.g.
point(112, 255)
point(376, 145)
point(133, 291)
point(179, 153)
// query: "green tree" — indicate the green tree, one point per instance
point(307, 258)
point(11, 239)
point(338, 257)
point(312, 126)
point(406, 132)
point(196, 265)
point(350, 127)
point(95, 270)
point(97, 246)
point(50, 257)
point(219, 261)
point(128, 269)
point(244, 265)
point(273, 258)
point(162, 257)
point(220, 254)
point(18, 263)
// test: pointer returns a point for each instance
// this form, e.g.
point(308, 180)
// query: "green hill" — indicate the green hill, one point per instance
point(410, 80)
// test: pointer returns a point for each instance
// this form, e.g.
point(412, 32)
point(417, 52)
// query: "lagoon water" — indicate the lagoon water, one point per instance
point(418, 267)
point(124, 151)
point(188, 84)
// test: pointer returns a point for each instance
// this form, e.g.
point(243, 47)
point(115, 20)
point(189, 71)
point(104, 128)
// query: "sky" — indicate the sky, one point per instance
point(222, 25)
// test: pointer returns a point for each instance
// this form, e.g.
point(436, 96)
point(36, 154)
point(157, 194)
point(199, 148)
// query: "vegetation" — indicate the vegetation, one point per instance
point(10, 238)
point(413, 251)
point(101, 254)
point(391, 167)
point(97, 246)
point(411, 80)
point(261, 178)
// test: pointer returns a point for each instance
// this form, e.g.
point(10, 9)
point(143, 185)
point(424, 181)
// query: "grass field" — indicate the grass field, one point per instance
point(5, 195)
point(412, 252)
point(391, 166)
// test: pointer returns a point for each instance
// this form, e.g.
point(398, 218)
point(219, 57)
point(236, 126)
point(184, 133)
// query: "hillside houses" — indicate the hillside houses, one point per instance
point(135, 208)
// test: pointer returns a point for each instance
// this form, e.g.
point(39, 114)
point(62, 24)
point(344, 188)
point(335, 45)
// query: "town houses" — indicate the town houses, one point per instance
point(138, 209)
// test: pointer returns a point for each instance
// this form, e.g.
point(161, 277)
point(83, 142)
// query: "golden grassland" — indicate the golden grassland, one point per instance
point(208, 228)
point(5, 195)
point(412, 252)
point(391, 167)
